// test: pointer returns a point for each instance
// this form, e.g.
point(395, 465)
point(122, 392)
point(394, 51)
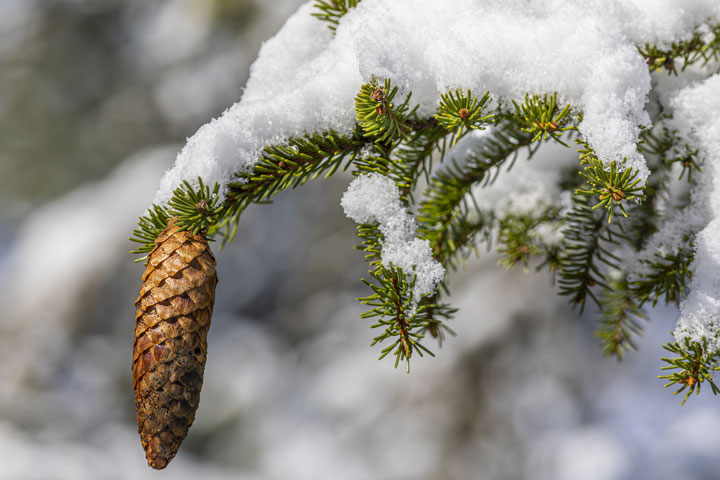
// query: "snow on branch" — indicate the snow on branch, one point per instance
point(696, 117)
point(375, 198)
point(306, 77)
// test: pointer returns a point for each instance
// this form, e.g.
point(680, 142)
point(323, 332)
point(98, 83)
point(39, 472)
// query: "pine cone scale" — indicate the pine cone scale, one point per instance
point(173, 312)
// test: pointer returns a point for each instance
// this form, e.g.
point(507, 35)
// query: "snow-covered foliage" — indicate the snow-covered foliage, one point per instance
point(376, 199)
point(304, 79)
point(697, 118)
point(585, 51)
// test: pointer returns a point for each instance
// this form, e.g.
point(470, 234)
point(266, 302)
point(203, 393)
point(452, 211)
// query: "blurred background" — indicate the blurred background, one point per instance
point(96, 99)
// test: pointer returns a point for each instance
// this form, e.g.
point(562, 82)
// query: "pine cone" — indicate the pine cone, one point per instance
point(171, 324)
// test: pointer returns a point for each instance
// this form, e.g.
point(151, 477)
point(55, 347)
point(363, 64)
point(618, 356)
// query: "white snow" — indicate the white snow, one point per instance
point(375, 198)
point(305, 78)
point(696, 117)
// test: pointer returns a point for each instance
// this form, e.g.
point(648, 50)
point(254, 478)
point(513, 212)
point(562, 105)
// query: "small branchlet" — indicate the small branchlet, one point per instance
point(149, 228)
point(586, 247)
point(331, 11)
point(694, 365)
point(701, 48)
point(378, 116)
point(541, 117)
point(665, 276)
point(516, 241)
point(288, 166)
point(460, 112)
point(670, 150)
point(621, 318)
point(195, 210)
point(404, 323)
point(611, 186)
point(448, 216)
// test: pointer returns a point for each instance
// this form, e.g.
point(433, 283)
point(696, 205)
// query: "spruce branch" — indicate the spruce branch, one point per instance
point(149, 228)
point(193, 209)
point(612, 186)
point(443, 215)
point(620, 319)
point(391, 139)
point(288, 166)
point(670, 149)
point(541, 117)
point(588, 239)
point(461, 113)
point(518, 240)
point(378, 116)
point(404, 323)
point(665, 276)
point(701, 48)
point(694, 365)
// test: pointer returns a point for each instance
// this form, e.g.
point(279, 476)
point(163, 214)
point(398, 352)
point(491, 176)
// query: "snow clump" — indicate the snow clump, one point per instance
point(375, 198)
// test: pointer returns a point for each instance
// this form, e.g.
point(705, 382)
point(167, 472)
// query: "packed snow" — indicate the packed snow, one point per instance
point(375, 198)
point(305, 78)
point(697, 119)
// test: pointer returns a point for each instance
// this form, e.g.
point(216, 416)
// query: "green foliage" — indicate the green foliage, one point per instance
point(621, 318)
point(664, 277)
point(331, 11)
point(670, 150)
point(195, 210)
point(701, 48)
point(694, 365)
point(612, 186)
point(404, 323)
point(541, 117)
point(518, 240)
point(378, 116)
point(149, 227)
point(588, 245)
point(448, 216)
point(461, 113)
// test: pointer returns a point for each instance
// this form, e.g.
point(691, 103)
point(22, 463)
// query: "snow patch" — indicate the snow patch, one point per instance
point(305, 79)
point(375, 198)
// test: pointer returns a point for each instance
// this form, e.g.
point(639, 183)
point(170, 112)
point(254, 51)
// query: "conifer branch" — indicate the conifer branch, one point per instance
point(391, 139)
point(694, 365)
point(541, 117)
point(612, 186)
point(442, 216)
point(378, 116)
point(586, 248)
point(620, 320)
point(665, 276)
point(669, 149)
point(461, 113)
point(404, 322)
point(195, 210)
point(518, 241)
point(702, 48)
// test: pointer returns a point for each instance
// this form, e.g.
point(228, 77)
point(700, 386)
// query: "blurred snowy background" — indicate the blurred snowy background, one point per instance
point(96, 98)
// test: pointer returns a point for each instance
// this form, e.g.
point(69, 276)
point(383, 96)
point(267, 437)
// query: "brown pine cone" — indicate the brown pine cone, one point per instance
point(171, 324)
